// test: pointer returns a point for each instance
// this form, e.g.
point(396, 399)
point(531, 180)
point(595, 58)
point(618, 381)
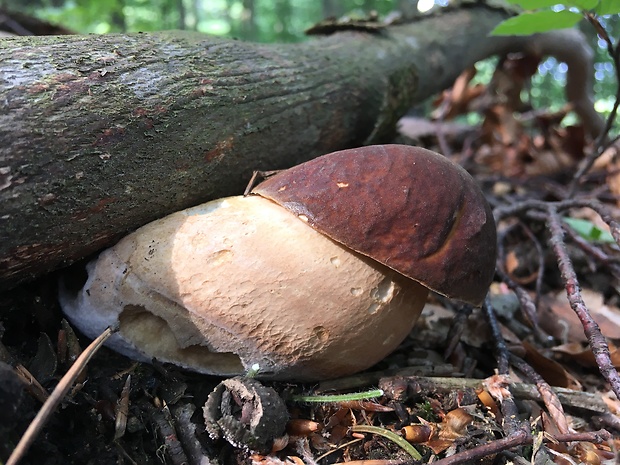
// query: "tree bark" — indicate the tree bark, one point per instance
point(102, 134)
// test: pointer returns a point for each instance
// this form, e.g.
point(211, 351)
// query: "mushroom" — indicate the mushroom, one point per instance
point(320, 272)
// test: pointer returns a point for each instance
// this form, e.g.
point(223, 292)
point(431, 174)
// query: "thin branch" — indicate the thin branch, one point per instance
point(521, 437)
point(394, 386)
point(511, 423)
point(602, 141)
point(549, 397)
point(56, 397)
point(501, 350)
point(528, 305)
point(456, 329)
point(591, 329)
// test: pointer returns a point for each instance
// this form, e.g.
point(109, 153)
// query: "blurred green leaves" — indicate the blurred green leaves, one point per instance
point(538, 21)
point(589, 230)
point(608, 7)
point(549, 15)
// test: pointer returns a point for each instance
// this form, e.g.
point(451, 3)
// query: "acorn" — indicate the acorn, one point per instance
point(320, 272)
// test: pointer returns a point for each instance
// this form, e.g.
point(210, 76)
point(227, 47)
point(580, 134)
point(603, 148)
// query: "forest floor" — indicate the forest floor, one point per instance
point(518, 384)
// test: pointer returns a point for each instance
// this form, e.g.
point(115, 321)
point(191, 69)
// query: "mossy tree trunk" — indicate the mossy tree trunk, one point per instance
point(102, 134)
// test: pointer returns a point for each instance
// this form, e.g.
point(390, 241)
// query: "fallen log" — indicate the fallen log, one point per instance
point(102, 134)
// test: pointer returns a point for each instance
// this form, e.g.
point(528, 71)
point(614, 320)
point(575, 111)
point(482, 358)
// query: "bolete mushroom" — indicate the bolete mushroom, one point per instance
point(321, 272)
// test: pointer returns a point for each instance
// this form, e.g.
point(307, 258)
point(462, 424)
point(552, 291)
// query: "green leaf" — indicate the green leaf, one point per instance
point(582, 4)
point(589, 230)
point(608, 7)
point(539, 4)
point(539, 21)
point(536, 4)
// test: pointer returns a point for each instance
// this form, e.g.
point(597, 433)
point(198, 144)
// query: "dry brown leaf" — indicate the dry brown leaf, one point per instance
point(588, 453)
point(549, 162)
point(457, 100)
point(612, 402)
point(559, 320)
point(438, 445)
point(302, 427)
point(439, 436)
point(417, 434)
point(515, 266)
point(497, 385)
point(551, 430)
point(550, 370)
point(582, 354)
point(489, 403)
point(454, 424)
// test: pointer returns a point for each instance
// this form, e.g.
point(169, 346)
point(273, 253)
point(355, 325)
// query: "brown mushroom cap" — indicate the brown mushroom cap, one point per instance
point(408, 208)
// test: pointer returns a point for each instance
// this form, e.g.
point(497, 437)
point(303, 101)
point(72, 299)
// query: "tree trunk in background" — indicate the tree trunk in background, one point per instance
point(248, 21)
point(102, 134)
point(331, 8)
point(196, 10)
point(117, 16)
point(283, 14)
point(181, 11)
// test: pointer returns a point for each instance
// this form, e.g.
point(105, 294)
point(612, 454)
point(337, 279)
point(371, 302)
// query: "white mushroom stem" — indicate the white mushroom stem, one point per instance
point(239, 281)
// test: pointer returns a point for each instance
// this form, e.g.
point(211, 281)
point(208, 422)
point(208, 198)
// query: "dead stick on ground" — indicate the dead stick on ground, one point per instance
point(519, 438)
point(56, 397)
point(598, 345)
point(550, 213)
point(510, 421)
point(568, 397)
point(548, 396)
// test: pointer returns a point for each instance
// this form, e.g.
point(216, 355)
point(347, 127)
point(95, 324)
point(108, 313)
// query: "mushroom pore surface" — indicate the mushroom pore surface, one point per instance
point(238, 281)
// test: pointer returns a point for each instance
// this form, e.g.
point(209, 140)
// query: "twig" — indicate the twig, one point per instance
point(549, 397)
point(56, 397)
point(375, 462)
point(501, 350)
point(32, 384)
point(568, 397)
point(526, 206)
point(511, 422)
point(602, 141)
point(591, 329)
point(520, 437)
point(528, 306)
point(167, 432)
point(456, 329)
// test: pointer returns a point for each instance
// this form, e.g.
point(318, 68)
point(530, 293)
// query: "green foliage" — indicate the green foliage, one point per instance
point(538, 4)
point(589, 230)
point(426, 412)
point(538, 21)
point(549, 15)
point(255, 20)
point(607, 7)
